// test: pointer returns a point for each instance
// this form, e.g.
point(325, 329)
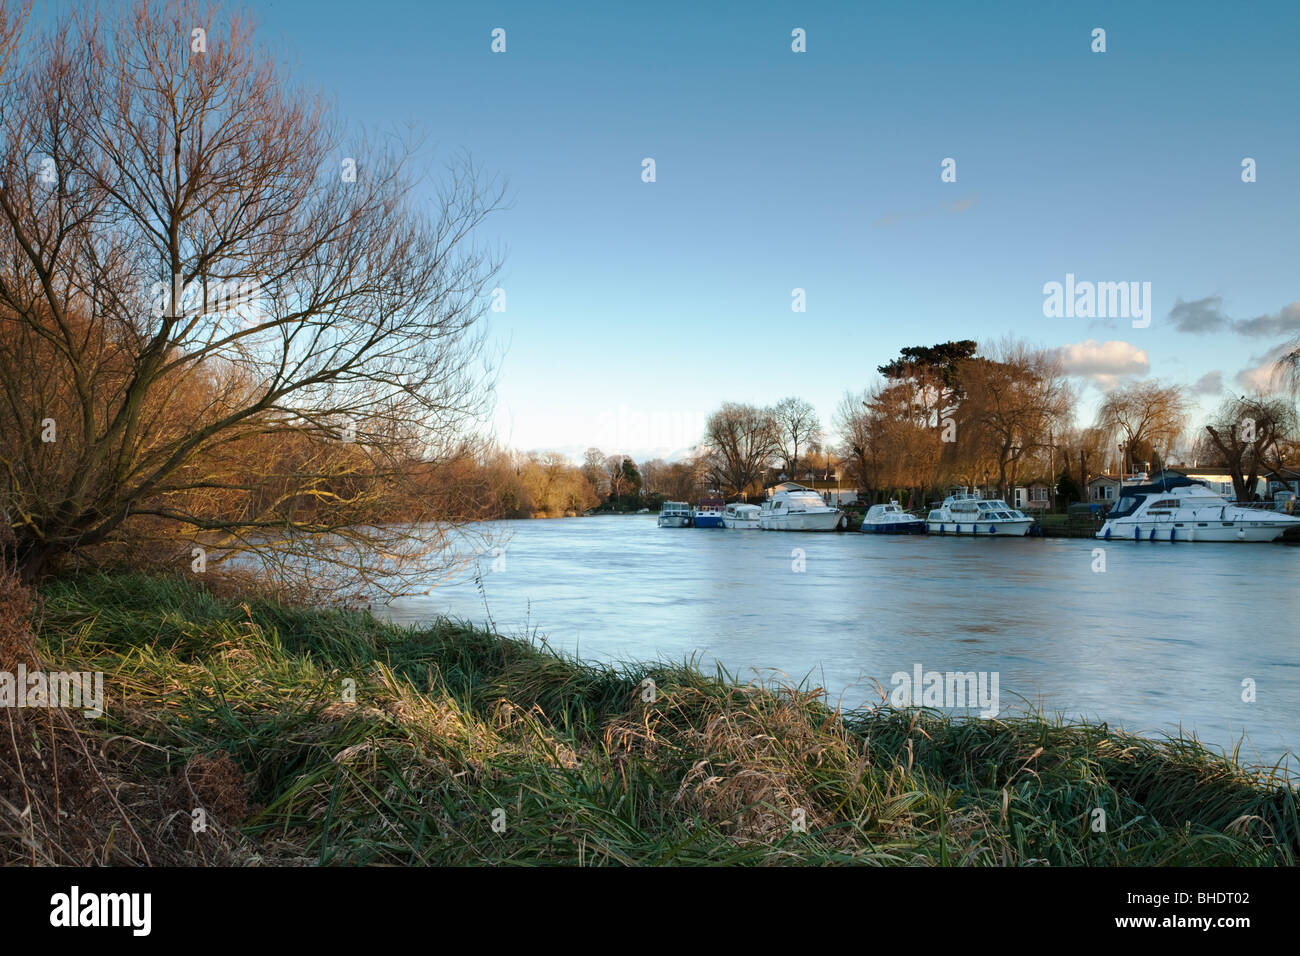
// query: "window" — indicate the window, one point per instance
point(1126, 506)
point(1038, 493)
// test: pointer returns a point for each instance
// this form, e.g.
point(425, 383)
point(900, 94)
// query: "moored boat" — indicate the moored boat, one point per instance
point(708, 513)
point(1183, 509)
point(741, 517)
point(675, 514)
point(964, 513)
point(798, 509)
point(891, 519)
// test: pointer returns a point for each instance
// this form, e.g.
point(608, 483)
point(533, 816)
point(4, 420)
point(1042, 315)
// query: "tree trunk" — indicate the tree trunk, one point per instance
point(33, 562)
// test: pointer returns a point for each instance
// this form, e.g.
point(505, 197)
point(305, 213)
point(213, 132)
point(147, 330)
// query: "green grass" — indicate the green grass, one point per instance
point(451, 724)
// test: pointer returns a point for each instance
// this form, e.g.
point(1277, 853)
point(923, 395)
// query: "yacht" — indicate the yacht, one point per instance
point(1182, 509)
point(741, 516)
point(891, 519)
point(708, 513)
point(675, 514)
point(964, 513)
point(798, 509)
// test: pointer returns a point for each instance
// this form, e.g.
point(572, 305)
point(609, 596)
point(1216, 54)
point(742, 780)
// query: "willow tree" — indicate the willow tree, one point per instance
point(222, 320)
point(1287, 367)
point(1143, 416)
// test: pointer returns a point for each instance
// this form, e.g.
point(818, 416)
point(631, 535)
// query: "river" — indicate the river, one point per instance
point(1163, 637)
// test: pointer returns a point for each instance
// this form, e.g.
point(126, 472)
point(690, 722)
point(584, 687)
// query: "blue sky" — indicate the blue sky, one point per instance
point(633, 308)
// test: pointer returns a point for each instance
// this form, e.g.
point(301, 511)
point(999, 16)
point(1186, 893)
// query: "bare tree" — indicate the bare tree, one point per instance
point(1143, 414)
point(201, 266)
point(1247, 436)
point(614, 478)
point(1015, 397)
point(797, 427)
point(853, 426)
point(741, 441)
point(593, 468)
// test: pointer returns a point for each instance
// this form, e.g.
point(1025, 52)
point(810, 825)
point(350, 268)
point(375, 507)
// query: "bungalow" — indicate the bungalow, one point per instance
point(826, 481)
point(1284, 479)
point(1035, 496)
point(829, 489)
point(1103, 488)
point(1220, 481)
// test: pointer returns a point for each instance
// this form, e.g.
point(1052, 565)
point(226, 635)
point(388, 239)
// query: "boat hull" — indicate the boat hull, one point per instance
point(708, 521)
point(800, 521)
point(894, 527)
point(741, 524)
point(674, 521)
point(1249, 532)
point(982, 529)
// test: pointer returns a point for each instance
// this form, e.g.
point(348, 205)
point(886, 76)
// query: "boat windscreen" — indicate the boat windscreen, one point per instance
point(1126, 505)
point(808, 501)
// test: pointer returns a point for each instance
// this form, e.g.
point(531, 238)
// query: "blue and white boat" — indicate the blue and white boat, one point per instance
point(708, 513)
point(891, 519)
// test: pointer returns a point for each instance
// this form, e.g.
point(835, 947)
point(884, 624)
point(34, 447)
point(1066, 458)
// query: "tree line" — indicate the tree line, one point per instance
point(993, 418)
point(939, 416)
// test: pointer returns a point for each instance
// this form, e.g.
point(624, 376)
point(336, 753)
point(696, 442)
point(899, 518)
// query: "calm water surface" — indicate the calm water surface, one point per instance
point(1163, 638)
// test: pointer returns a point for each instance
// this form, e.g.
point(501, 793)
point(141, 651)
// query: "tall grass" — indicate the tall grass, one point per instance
point(466, 747)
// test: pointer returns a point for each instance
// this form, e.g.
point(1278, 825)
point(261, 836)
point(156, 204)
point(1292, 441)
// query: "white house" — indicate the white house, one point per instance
point(1104, 487)
point(1220, 481)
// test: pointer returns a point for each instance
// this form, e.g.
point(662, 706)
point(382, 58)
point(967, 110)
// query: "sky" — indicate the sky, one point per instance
point(633, 309)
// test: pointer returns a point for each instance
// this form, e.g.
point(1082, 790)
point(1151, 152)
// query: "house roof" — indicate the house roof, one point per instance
point(790, 486)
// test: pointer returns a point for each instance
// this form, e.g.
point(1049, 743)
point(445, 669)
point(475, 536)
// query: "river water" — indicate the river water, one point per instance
point(1163, 637)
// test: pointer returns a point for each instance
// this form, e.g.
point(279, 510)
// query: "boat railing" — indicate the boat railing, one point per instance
point(1261, 505)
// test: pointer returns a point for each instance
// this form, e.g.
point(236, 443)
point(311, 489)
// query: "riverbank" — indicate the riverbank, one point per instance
point(309, 736)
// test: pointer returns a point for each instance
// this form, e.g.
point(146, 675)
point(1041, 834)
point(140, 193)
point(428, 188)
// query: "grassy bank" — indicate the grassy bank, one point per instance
point(238, 708)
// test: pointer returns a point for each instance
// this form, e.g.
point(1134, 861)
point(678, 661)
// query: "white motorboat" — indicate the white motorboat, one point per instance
point(798, 509)
point(741, 517)
point(891, 519)
point(675, 514)
point(964, 513)
point(1182, 509)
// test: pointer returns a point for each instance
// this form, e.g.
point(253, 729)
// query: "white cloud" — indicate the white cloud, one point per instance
point(1263, 376)
point(1103, 363)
